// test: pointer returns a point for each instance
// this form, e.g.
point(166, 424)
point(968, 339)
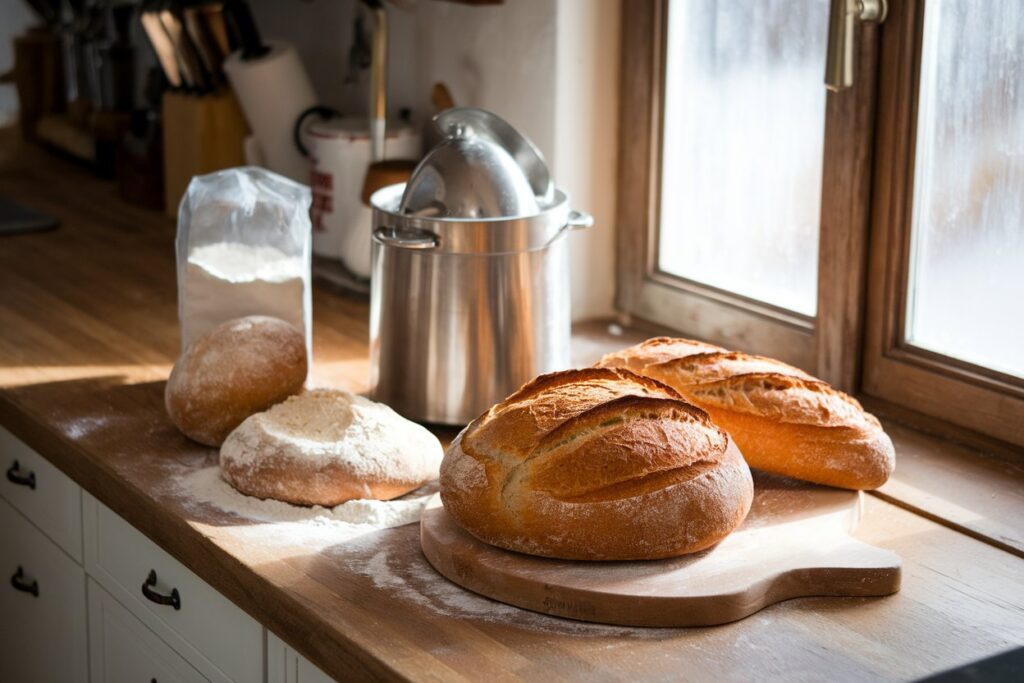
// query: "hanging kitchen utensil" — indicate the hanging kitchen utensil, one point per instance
point(381, 172)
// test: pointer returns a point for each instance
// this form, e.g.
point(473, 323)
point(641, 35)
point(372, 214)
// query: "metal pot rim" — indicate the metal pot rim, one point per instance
point(471, 235)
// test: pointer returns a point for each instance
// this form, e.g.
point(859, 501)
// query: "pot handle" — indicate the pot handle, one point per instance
point(407, 238)
point(579, 220)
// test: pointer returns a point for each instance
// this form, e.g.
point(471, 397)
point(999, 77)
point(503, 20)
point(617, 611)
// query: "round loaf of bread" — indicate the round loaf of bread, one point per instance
point(596, 464)
point(783, 419)
point(236, 369)
point(326, 446)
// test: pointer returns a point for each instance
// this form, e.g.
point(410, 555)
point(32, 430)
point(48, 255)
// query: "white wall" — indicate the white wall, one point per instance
point(586, 142)
point(551, 69)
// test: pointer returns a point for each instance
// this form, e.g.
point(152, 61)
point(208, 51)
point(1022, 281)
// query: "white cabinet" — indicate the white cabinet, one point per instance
point(123, 650)
point(285, 665)
point(42, 493)
point(55, 540)
point(42, 606)
point(215, 636)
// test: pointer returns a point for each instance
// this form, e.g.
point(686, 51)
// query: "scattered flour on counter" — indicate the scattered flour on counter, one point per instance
point(348, 520)
point(408, 575)
point(83, 426)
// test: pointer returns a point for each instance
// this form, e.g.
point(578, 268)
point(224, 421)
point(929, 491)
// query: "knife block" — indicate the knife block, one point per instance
point(202, 134)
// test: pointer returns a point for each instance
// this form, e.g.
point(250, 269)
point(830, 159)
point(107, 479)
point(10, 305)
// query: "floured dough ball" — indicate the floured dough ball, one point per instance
point(326, 446)
point(236, 369)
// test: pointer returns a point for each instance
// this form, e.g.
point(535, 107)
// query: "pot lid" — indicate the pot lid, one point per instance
point(483, 168)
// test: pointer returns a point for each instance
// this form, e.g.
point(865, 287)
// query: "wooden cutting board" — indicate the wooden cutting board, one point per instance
point(795, 542)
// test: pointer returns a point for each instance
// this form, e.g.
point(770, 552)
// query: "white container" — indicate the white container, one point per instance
point(340, 153)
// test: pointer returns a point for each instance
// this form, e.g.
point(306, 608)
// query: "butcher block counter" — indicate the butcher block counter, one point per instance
point(88, 334)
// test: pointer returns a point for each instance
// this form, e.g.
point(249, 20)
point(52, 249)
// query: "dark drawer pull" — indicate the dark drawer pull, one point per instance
point(16, 477)
point(174, 600)
point(18, 581)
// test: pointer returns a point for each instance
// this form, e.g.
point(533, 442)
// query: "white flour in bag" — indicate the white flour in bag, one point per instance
point(227, 280)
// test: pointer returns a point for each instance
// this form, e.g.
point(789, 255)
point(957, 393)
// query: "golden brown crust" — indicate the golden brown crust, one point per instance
point(596, 464)
point(238, 368)
point(783, 419)
point(654, 350)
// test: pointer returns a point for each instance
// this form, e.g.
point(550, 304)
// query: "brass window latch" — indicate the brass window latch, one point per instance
point(843, 15)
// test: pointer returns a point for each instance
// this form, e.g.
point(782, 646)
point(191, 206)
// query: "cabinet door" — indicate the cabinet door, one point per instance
point(42, 493)
point(207, 629)
point(42, 606)
point(285, 665)
point(122, 649)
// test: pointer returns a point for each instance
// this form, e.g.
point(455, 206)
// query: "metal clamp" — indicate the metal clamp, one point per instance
point(174, 599)
point(15, 477)
point(19, 583)
point(407, 238)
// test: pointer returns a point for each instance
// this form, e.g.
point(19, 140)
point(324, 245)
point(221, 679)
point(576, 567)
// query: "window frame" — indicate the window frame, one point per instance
point(827, 344)
point(970, 396)
point(855, 340)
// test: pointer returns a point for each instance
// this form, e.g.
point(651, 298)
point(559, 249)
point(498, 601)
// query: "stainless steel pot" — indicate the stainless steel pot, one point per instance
point(463, 311)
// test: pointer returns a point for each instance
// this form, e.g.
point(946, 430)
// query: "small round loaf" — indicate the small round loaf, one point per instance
point(596, 464)
point(783, 419)
point(326, 446)
point(236, 369)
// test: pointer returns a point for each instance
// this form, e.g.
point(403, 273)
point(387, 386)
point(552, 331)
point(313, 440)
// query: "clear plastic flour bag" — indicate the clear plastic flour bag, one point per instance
point(243, 248)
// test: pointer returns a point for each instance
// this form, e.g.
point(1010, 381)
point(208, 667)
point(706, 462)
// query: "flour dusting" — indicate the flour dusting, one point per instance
point(408, 575)
point(354, 518)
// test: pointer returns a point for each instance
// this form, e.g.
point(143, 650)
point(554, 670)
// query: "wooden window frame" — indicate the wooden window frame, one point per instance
point(963, 394)
point(855, 340)
point(827, 344)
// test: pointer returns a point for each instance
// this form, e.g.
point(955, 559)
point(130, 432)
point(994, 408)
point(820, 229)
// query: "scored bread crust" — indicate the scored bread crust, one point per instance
point(783, 419)
point(654, 350)
point(596, 464)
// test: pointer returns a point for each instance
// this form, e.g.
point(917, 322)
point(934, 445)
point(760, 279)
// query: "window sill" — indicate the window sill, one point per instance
point(968, 490)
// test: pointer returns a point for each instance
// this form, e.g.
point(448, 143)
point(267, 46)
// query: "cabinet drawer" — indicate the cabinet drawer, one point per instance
point(207, 629)
point(42, 493)
point(42, 626)
point(122, 649)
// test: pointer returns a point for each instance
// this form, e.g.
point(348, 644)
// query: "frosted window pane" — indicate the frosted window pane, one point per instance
point(743, 136)
point(967, 266)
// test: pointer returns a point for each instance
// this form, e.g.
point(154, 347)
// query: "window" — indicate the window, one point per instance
point(749, 195)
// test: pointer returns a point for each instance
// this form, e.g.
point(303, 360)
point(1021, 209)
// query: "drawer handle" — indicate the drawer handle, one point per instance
point(16, 477)
point(18, 581)
point(174, 599)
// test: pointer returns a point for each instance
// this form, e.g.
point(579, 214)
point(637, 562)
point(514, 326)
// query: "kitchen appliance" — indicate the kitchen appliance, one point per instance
point(469, 294)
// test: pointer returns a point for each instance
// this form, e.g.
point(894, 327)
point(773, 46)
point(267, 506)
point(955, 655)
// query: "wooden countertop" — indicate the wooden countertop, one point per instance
point(88, 333)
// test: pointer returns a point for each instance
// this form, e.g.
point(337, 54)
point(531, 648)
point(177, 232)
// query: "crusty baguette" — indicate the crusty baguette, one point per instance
point(783, 419)
point(596, 464)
